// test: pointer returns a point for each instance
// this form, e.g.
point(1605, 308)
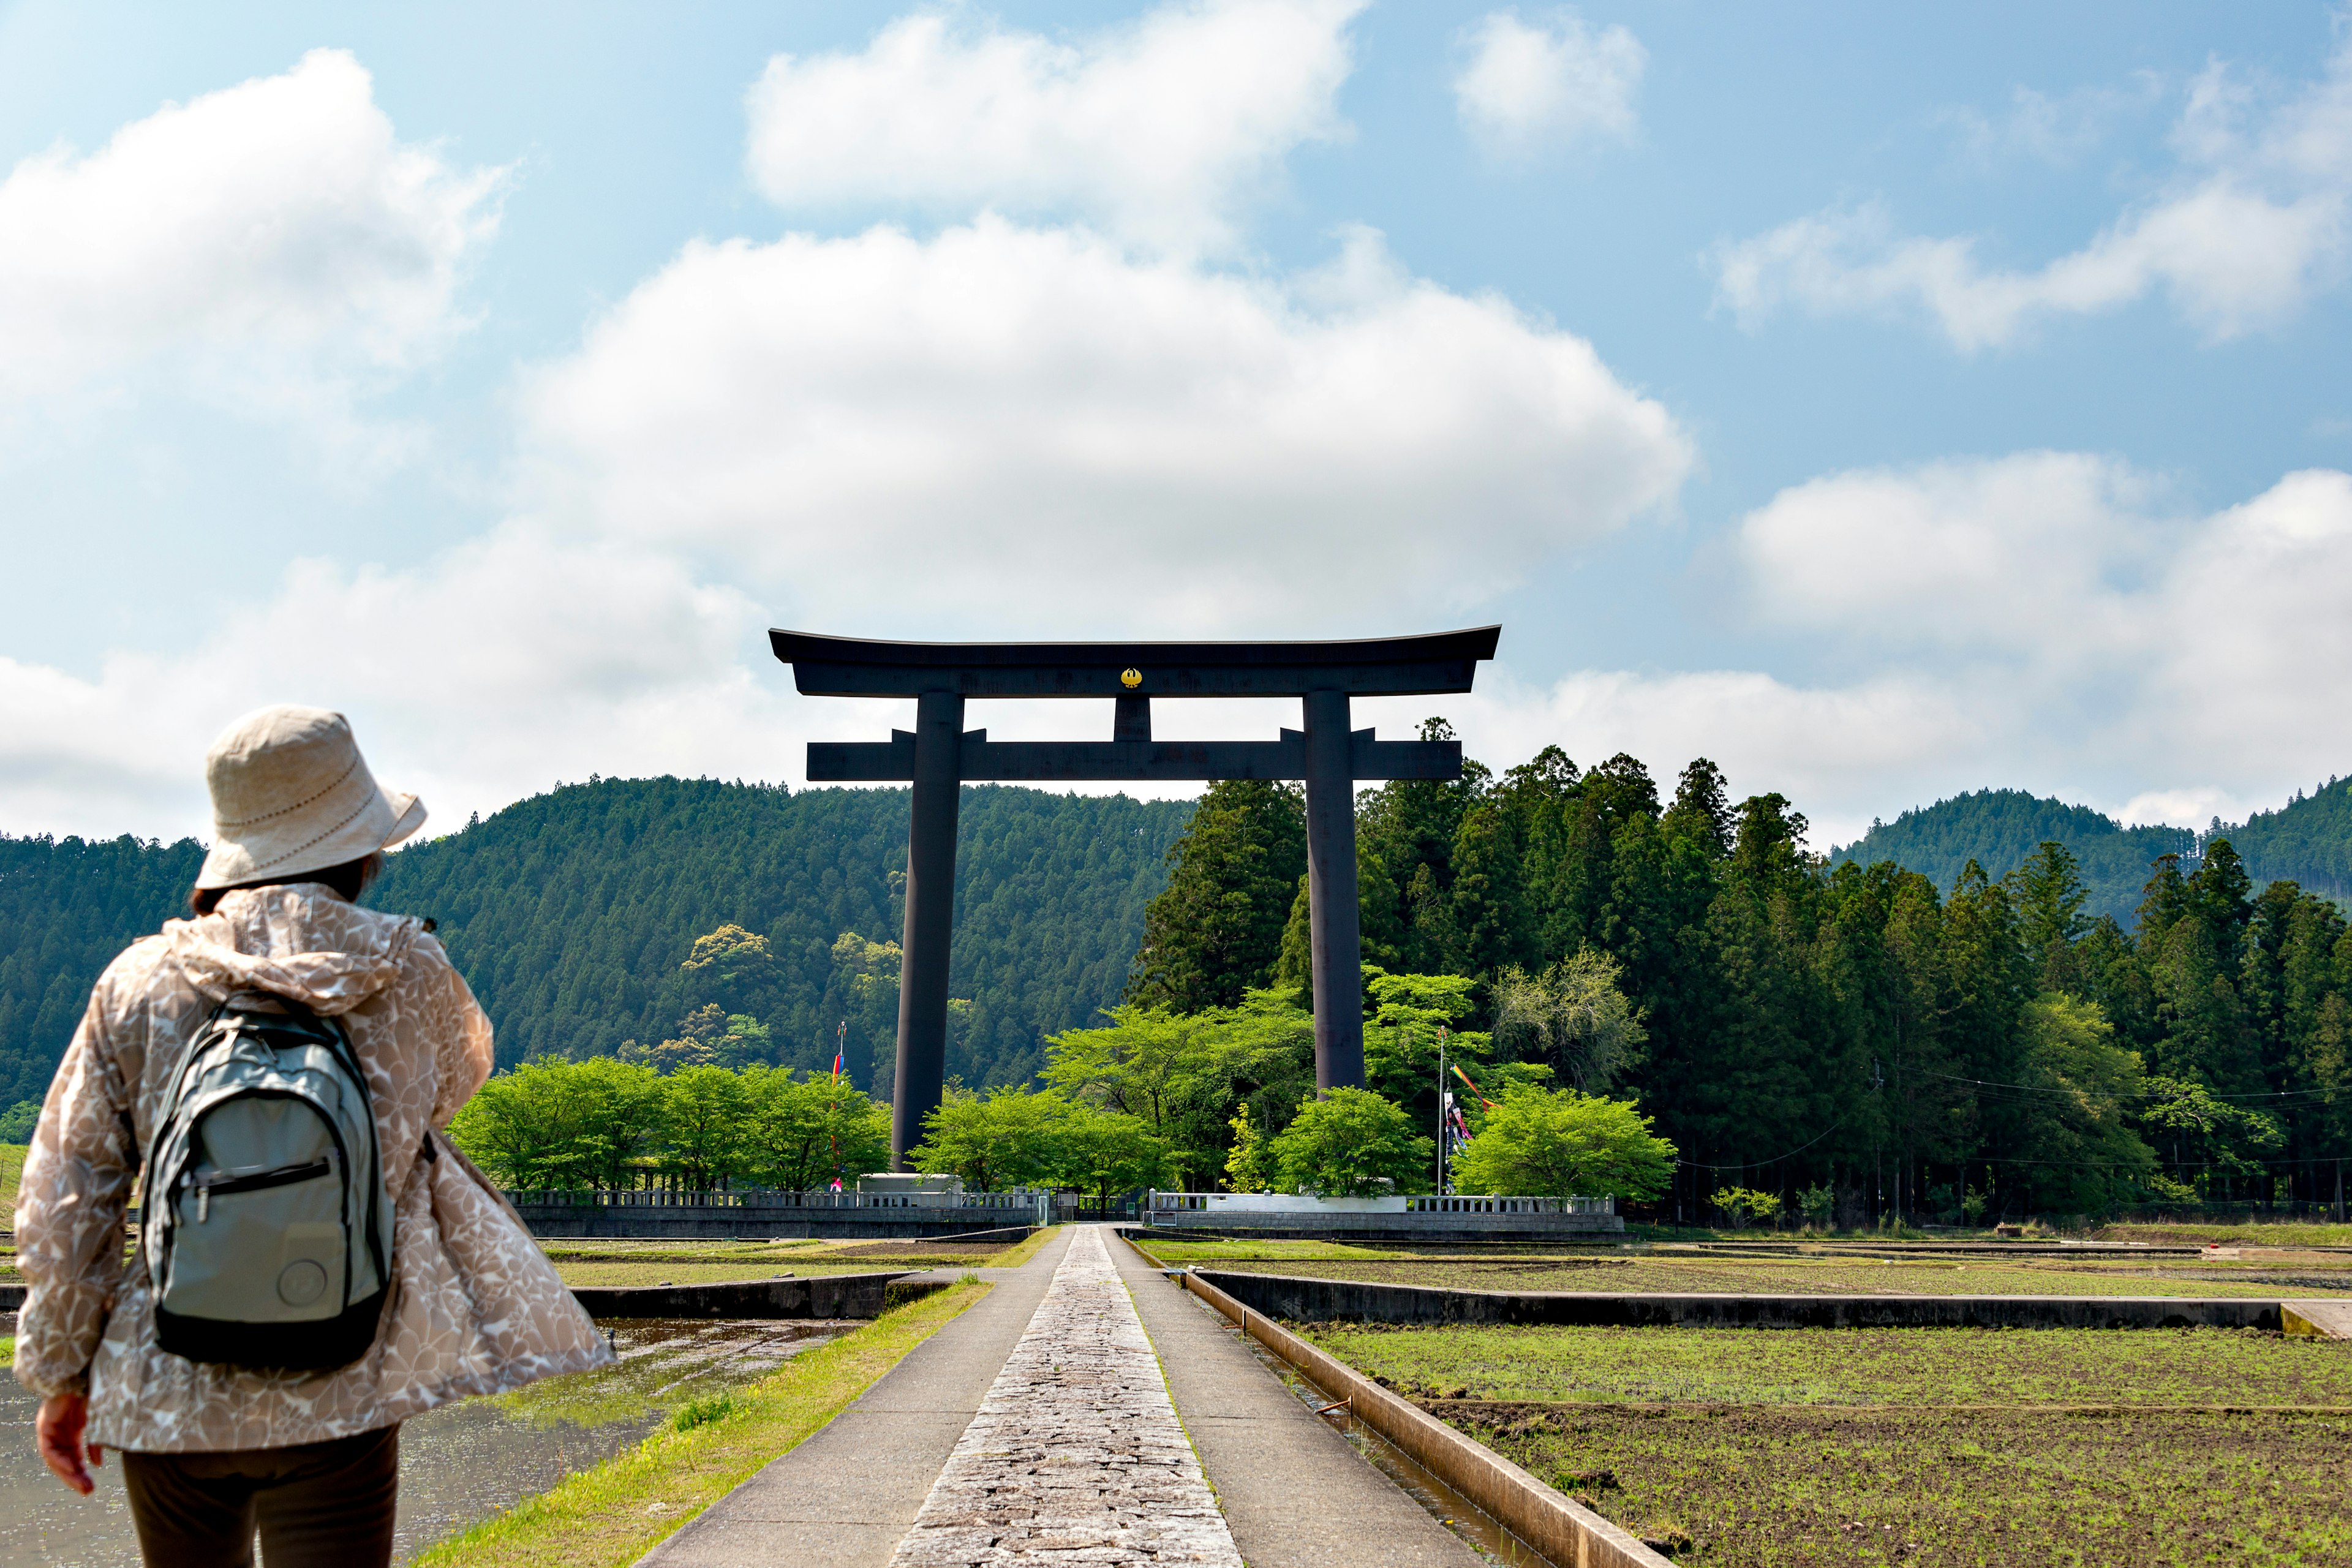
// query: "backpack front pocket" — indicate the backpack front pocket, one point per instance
point(264, 1244)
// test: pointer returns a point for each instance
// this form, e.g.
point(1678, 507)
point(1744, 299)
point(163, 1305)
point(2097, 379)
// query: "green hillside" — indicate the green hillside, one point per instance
point(572, 914)
point(67, 907)
point(1998, 829)
point(2308, 840)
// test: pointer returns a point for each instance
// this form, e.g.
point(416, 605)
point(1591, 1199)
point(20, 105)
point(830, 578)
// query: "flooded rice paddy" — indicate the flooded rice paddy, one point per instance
point(458, 1465)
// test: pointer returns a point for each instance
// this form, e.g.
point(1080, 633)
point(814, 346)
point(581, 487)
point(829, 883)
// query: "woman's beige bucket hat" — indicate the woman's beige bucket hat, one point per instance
point(291, 793)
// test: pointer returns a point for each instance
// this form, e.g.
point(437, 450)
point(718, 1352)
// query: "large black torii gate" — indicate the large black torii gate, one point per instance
point(940, 754)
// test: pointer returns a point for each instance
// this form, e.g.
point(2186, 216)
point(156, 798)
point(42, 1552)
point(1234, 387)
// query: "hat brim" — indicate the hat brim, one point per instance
point(384, 822)
point(408, 816)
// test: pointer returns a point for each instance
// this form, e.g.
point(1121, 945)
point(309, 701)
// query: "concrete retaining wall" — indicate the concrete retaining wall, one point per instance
point(688, 1222)
point(818, 1296)
point(1331, 1300)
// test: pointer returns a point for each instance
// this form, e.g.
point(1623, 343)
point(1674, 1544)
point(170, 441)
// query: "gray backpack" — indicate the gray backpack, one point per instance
point(268, 1231)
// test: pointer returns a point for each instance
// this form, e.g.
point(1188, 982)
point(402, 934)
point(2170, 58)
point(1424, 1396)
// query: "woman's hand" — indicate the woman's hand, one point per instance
point(59, 1428)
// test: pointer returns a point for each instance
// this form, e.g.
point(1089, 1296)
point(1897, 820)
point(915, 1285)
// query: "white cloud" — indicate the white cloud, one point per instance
point(1838, 752)
point(484, 675)
point(2197, 807)
point(1159, 129)
point(1005, 426)
point(1525, 85)
point(2090, 636)
point(994, 430)
point(2022, 554)
point(2253, 224)
point(2056, 129)
point(275, 240)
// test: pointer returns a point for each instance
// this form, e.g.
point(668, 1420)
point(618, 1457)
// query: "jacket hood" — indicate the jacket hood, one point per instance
point(301, 941)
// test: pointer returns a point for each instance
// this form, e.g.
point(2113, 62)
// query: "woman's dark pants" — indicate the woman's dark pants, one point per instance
point(318, 1505)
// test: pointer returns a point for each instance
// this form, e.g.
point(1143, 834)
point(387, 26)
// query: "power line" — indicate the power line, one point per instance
point(1743, 1165)
point(2120, 1094)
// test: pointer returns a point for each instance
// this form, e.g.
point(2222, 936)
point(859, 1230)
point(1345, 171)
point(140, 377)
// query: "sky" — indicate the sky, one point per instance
point(1884, 403)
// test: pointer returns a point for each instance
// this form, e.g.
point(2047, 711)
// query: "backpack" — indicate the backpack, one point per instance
point(267, 1230)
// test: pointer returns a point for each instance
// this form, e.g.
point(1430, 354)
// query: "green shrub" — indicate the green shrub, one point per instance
point(1351, 1143)
point(703, 1412)
point(1559, 1143)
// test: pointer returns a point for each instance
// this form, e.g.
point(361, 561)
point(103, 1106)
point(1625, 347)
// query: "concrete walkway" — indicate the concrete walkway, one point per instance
point(845, 1497)
point(1037, 1416)
point(1075, 1455)
point(1296, 1494)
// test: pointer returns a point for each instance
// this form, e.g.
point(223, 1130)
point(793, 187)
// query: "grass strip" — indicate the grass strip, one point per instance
point(1015, 1257)
point(614, 1513)
point(2272, 1233)
point(7, 1349)
point(12, 1168)
point(1914, 1367)
point(604, 1273)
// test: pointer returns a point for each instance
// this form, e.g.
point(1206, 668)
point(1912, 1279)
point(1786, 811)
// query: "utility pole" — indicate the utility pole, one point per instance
point(1877, 1159)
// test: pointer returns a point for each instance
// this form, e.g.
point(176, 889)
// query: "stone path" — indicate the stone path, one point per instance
point(1076, 1455)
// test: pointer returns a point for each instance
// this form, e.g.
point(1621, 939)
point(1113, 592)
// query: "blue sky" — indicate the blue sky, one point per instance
point(1883, 404)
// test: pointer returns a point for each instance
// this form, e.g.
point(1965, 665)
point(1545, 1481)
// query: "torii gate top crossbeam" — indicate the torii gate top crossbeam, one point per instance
point(1374, 667)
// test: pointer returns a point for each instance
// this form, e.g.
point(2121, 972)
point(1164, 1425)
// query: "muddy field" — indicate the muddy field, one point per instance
point(1754, 1448)
point(1898, 1274)
point(1764, 1487)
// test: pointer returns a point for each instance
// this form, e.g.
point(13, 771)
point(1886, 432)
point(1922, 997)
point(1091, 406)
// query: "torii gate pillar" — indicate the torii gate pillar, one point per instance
point(1333, 917)
point(940, 754)
point(921, 1072)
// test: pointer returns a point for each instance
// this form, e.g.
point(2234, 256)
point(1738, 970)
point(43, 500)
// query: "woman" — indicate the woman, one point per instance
point(213, 1453)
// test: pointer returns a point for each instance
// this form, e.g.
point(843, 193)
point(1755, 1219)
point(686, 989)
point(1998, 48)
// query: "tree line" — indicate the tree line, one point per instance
point(1151, 1099)
point(1794, 1026)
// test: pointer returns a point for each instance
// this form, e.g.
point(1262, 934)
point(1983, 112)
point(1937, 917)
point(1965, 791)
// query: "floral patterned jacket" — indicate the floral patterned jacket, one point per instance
point(474, 1307)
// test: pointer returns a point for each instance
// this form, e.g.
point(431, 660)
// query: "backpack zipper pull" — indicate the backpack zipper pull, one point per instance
point(203, 1201)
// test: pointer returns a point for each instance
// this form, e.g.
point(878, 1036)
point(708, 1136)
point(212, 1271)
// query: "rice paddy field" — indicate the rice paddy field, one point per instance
point(1895, 1269)
point(1754, 1448)
point(1954, 1446)
point(714, 1262)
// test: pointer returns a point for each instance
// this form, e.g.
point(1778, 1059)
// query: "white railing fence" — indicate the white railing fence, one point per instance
point(1510, 1205)
point(1288, 1203)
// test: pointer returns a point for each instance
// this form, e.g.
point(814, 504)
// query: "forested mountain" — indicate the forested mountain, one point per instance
point(575, 914)
point(2308, 840)
point(67, 907)
point(1998, 828)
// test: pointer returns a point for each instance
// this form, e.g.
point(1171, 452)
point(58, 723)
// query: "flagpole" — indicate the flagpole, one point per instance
point(833, 1106)
point(1442, 1098)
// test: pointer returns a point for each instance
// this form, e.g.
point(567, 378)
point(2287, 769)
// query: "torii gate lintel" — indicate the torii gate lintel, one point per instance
point(940, 754)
